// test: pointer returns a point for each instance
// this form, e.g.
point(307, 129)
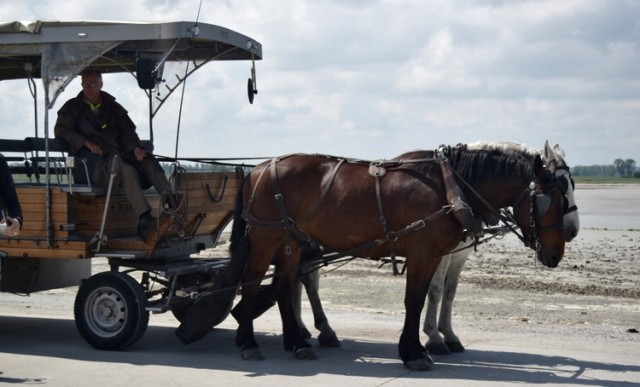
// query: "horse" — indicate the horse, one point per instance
point(441, 338)
point(340, 203)
point(442, 290)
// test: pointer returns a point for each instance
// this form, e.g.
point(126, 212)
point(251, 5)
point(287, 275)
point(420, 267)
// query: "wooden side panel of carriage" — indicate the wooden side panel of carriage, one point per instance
point(212, 195)
point(209, 201)
point(204, 214)
point(32, 242)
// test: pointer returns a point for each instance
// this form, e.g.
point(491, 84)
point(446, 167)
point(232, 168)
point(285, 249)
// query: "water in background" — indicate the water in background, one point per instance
point(608, 206)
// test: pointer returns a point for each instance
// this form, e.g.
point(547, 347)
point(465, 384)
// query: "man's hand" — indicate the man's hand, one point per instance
point(140, 153)
point(93, 147)
point(13, 227)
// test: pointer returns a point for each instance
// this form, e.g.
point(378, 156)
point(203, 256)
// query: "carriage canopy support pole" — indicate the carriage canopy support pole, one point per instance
point(100, 235)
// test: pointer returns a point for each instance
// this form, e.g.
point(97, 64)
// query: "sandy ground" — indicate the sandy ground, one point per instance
point(598, 281)
point(576, 324)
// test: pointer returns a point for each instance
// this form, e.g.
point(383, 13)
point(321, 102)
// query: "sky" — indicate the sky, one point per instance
point(373, 79)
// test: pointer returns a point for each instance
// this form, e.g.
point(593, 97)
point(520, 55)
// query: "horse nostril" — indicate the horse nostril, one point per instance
point(555, 260)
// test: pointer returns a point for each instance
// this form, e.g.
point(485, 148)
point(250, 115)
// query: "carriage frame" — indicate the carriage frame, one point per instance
point(69, 221)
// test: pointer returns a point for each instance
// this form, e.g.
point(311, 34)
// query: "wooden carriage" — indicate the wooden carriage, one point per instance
point(69, 221)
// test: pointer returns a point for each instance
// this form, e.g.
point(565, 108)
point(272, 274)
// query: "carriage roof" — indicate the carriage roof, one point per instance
point(57, 51)
point(114, 46)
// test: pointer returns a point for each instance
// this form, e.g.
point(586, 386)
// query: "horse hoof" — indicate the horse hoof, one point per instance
point(328, 341)
point(305, 354)
point(251, 354)
point(419, 364)
point(455, 346)
point(438, 348)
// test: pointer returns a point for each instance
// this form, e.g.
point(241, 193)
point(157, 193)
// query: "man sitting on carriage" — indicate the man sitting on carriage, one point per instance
point(94, 121)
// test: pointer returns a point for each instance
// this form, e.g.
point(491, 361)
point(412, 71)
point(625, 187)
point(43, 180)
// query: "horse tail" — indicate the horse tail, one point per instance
point(239, 247)
point(213, 308)
point(239, 224)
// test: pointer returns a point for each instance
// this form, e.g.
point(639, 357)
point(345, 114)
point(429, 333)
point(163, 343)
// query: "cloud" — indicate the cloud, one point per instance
point(373, 79)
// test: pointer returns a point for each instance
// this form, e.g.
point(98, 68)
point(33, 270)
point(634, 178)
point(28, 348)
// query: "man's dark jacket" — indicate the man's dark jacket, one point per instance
point(111, 128)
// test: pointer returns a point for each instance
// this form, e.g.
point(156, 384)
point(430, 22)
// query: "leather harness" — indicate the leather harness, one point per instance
point(378, 169)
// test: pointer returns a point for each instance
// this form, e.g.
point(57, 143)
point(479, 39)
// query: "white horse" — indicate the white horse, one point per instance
point(442, 290)
point(441, 338)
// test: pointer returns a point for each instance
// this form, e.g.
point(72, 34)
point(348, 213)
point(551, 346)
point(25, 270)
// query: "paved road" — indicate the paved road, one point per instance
point(48, 350)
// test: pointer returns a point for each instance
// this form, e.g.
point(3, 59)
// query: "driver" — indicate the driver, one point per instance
point(95, 121)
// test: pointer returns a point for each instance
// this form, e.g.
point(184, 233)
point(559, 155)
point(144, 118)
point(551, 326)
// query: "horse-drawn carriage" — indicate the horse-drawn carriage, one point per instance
point(415, 206)
point(68, 220)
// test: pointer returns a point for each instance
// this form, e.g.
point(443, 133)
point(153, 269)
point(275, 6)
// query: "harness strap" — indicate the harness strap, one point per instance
point(246, 211)
point(286, 221)
point(385, 228)
point(415, 226)
point(456, 197)
point(289, 224)
point(495, 212)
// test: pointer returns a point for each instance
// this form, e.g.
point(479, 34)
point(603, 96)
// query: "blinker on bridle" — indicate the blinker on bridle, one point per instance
point(564, 188)
point(538, 206)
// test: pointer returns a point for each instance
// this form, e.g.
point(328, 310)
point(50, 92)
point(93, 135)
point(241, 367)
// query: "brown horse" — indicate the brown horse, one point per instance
point(387, 208)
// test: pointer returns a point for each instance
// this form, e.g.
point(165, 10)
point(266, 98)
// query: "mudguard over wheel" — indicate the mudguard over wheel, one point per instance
point(110, 311)
point(179, 311)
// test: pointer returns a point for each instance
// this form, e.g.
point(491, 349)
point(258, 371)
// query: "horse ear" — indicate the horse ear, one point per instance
point(549, 154)
point(559, 154)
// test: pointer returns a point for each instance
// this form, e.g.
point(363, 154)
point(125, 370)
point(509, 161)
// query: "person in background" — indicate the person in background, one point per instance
point(95, 121)
point(9, 202)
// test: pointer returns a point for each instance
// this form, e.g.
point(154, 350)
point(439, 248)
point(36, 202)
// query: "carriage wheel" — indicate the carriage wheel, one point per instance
point(110, 311)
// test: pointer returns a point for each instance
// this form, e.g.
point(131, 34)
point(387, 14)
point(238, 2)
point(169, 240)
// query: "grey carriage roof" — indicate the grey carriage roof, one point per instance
point(110, 46)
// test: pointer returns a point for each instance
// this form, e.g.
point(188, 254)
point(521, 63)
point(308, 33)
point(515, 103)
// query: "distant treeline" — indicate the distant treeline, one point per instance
point(619, 168)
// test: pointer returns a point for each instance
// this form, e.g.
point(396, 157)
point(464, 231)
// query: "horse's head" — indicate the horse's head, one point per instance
point(541, 197)
point(554, 158)
point(540, 214)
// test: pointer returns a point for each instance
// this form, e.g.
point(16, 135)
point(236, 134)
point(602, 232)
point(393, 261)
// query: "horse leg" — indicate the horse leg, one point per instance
point(256, 268)
point(435, 343)
point(458, 260)
point(245, 338)
point(327, 336)
point(420, 270)
point(297, 308)
point(265, 299)
point(287, 267)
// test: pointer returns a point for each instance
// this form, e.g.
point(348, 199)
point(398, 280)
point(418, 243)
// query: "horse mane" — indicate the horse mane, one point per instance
point(483, 160)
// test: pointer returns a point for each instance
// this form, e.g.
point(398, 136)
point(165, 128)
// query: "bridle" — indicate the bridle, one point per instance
point(538, 206)
point(564, 180)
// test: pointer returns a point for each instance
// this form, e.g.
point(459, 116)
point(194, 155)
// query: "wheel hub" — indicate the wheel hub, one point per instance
point(107, 312)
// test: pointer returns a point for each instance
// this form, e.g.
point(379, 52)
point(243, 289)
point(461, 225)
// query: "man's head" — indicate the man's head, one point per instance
point(91, 85)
